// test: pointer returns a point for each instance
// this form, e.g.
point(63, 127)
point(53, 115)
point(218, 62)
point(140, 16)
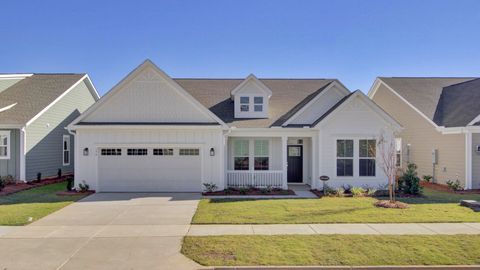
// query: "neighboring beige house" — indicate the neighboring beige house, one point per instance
point(441, 121)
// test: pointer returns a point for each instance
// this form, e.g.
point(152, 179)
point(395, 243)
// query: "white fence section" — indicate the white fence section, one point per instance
point(255, 178)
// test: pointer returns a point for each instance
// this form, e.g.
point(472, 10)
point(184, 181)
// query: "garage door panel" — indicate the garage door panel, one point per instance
point(149, 173)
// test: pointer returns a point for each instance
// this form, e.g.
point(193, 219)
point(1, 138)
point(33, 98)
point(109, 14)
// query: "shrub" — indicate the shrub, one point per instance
point(8, 180)
point(454, 185)
point(329, 191)
point(70, 183)
point(243, 190)
point(229, 190)
point(59, 173)
point(357, 191)
point(2, 183)
point(266, 190)
point(347, 188)
point(84, 187)
point(339, 192)
point(210, 187)
point(39, 177)
point(371, 192)
point(427, 178)
point(409, 182)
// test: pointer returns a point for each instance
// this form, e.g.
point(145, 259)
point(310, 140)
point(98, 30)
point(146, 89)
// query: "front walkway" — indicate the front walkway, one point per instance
point(377, 228)
point(105, 231)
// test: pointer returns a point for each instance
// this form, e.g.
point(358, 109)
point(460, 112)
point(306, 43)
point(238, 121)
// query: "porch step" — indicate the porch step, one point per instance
point(474, 205)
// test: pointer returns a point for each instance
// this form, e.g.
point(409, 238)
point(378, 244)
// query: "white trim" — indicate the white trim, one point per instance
point(55, 101)
point(372, 105)
point(468, 160)
point(285, 162)
point(96, 96)
point(130, 76)
point(312, 101)
point(375, 87)
point(8, 107)
point(475, 120)
point(136, 127)
point(15, 76)
point(254, 79)
point(23, 152)
point(66, 139)
point(6, 133)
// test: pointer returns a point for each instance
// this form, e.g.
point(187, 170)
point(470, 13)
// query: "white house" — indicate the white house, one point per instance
point(155, 133)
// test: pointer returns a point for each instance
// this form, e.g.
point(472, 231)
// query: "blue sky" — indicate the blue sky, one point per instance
point(354, 41)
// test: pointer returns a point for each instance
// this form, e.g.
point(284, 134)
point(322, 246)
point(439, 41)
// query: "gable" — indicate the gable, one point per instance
point(358, 112)
point(319, 106)
point(148, 95)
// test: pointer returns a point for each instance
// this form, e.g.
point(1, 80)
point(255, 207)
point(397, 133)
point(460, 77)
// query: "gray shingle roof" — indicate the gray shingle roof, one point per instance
point(425, 95)
point(32, 95)
point(288, 96)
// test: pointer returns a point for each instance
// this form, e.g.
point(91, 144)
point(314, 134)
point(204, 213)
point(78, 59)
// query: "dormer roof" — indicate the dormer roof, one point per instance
point(251, 79)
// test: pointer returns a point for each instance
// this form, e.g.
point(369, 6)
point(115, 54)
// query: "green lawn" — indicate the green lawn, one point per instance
point(437, 206)
point(15, 209)
point(333, 250)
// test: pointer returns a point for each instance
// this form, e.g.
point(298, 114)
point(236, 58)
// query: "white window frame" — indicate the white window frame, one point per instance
point(5, 133)
point(247, 104)
point(260, 105)
point(263, 156)
point(398, 153)
point(350, 158)
point(367, 157)
point(66, 152)
point(242, 156)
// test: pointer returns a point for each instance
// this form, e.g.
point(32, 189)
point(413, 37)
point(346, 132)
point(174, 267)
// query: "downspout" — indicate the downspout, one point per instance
point(23, 147)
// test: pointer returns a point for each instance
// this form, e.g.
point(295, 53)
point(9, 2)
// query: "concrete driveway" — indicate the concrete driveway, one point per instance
point(106, 231)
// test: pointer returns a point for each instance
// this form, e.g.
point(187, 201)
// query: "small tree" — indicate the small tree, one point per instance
point(387, 151)
point(409, 182)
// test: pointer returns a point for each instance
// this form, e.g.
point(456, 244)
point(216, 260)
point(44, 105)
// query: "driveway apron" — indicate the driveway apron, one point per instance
point(106, 231)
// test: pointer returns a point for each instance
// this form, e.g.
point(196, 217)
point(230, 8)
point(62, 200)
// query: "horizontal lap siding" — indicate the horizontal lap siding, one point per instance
point(45, 135)
point(475, 161)
point(12, 166)
point(424, 138)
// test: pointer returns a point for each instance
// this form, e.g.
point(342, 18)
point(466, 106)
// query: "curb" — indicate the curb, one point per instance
point(380, 267)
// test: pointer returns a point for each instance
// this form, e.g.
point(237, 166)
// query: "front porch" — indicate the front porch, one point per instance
point(272, 162)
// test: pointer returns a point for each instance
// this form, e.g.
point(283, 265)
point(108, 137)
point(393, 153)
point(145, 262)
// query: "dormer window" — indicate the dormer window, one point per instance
point(258, 104)
point(244, 104)
point(250, 99)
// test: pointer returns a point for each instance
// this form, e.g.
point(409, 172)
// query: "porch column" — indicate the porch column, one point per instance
point(23, 147)
point(314, 151)
point(284, 162)
point(468, 160)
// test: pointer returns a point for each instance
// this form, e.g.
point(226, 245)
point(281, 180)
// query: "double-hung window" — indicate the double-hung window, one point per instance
point(241, 154)
point(261, 155)
point(398, 152)
point(344, 157)
point(244, 104)
point(66, 150)
point(4, 144)
point(367, 154)
point(258, 104)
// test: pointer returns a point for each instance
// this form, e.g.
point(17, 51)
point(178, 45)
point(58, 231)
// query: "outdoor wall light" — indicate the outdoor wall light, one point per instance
point(212, 152)
point(85, 151)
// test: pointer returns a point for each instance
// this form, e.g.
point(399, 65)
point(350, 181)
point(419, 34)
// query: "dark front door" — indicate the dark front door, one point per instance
point(295, 164)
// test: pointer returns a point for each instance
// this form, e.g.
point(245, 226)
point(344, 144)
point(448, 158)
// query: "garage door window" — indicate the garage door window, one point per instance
point(137, 151)
point(111, 152)
point(189, 152)
point(163, 152)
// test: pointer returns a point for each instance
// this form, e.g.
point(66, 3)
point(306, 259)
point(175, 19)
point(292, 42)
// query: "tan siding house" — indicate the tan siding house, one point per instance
point(423, 132)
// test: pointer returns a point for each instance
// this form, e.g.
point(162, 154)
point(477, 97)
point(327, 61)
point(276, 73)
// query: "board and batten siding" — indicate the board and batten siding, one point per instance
point(12, 166)
point(423, 138)
point(475, 161)
point(44, 149)
point(86, 167)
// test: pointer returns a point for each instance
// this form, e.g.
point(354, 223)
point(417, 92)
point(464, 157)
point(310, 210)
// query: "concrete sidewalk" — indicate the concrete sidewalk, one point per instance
point(374, 229)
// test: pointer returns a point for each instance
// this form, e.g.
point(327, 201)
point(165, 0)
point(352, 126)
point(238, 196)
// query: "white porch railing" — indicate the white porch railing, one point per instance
point(255, 178)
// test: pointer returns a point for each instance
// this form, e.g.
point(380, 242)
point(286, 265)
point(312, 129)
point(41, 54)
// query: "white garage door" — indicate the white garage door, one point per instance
point(134, 169)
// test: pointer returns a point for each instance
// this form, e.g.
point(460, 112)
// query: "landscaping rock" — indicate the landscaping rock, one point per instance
point(474, 205)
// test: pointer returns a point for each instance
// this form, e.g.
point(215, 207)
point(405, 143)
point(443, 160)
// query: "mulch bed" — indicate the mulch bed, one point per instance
point(14, 188)
point(250, 192)
point(75, 193)
point(389, 204)
point(442, 187)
